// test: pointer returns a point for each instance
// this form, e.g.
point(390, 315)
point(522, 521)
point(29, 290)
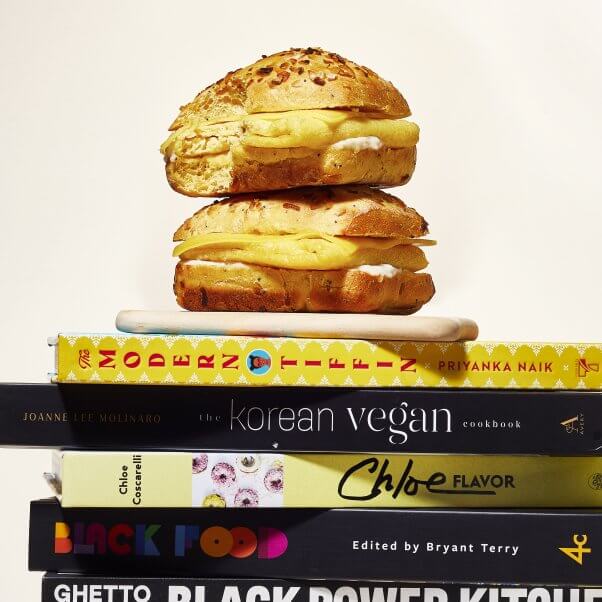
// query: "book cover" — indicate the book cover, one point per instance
point(58, 587)
point(236, 360)
point(247, 480)
point(462, 546)
point(287, 419)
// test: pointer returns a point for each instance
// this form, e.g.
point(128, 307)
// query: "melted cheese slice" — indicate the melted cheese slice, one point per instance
point(312, 128)
point(305, 251)
point(320, 127)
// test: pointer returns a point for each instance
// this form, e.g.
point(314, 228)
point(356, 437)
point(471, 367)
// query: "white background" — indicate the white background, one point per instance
point(507, 95)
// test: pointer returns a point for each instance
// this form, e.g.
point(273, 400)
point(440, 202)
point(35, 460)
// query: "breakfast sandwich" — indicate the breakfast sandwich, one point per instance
point(322, 249)
point(303, 117)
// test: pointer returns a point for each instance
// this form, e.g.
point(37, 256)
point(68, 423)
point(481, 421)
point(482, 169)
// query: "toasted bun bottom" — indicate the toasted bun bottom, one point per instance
point(276, 169)
point(206, 286)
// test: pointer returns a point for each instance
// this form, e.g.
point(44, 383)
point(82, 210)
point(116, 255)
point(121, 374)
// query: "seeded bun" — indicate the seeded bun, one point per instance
point(337, 210)
point(299, 78)
point(205, 154)
point(208, 286)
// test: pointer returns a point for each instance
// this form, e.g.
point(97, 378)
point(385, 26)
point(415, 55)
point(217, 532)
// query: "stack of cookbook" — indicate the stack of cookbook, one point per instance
point(202, 467)
point(440, 477)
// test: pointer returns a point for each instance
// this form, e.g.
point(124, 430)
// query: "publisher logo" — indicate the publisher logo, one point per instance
point(575, 425)
point(577, 553)
point(583, 367)
point(259, 362)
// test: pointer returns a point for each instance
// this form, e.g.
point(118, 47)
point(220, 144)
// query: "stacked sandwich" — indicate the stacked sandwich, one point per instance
point(302, 141)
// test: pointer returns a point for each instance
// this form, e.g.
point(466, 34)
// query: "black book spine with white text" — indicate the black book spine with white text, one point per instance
point(294, 419)
point(57, 587)
point(464, 546)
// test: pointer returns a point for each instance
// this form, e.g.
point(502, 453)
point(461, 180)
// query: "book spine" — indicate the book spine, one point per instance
point(466, 546)
point(268, 419)
point(228, 480)
point(85, 588)
point(236, 361)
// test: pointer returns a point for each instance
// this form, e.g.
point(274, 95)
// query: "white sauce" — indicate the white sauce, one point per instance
point(384, 270)
point(359, 144)
point(217, 264)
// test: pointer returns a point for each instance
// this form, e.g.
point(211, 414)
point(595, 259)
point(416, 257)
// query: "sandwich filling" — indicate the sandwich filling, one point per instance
point(305, 251)
point(312, 129)
point(384, 270)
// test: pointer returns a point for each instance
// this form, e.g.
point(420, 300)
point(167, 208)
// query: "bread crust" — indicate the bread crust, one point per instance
point(299, 78)
point(241, 287)
point(334, 210)
point(240, 172)
point(296, 79)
